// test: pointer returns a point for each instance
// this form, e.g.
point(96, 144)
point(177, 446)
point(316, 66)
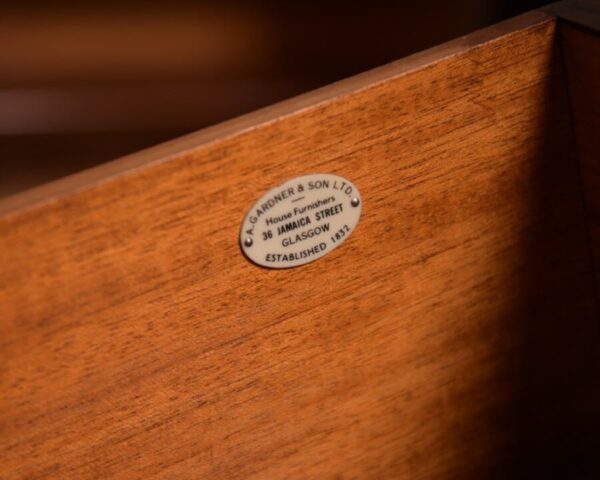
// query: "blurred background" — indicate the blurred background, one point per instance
point(84, 83)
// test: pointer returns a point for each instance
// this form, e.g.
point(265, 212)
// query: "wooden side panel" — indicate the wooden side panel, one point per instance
point(452, 336)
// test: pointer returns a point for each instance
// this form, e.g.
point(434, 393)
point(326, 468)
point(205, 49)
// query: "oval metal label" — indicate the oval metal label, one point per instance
point(300, 221)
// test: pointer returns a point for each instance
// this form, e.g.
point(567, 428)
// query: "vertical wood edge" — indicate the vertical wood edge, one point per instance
point(590, 191)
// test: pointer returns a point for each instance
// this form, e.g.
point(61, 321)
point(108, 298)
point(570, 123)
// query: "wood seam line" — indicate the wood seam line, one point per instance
point(582, 190)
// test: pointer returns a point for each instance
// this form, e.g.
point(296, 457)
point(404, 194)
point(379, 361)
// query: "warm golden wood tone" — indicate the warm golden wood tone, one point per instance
point(454, 335)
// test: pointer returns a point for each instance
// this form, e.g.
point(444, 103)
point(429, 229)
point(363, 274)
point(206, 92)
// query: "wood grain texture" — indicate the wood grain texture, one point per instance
point(453, 335)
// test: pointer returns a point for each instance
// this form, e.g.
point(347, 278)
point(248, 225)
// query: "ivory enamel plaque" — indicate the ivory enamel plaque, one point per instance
point(300, 221)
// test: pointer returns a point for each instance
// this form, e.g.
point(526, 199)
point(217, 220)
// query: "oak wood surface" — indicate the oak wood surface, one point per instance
point(452, 336)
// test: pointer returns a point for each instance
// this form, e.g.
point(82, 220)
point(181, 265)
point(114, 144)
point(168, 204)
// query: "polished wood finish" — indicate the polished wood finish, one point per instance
point(454, 335)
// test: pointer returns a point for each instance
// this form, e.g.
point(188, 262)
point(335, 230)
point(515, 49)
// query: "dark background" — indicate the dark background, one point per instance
point(84, 84)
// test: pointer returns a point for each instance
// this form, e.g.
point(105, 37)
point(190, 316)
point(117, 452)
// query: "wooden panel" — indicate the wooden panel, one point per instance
point(582, 55)
point(452, 336)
